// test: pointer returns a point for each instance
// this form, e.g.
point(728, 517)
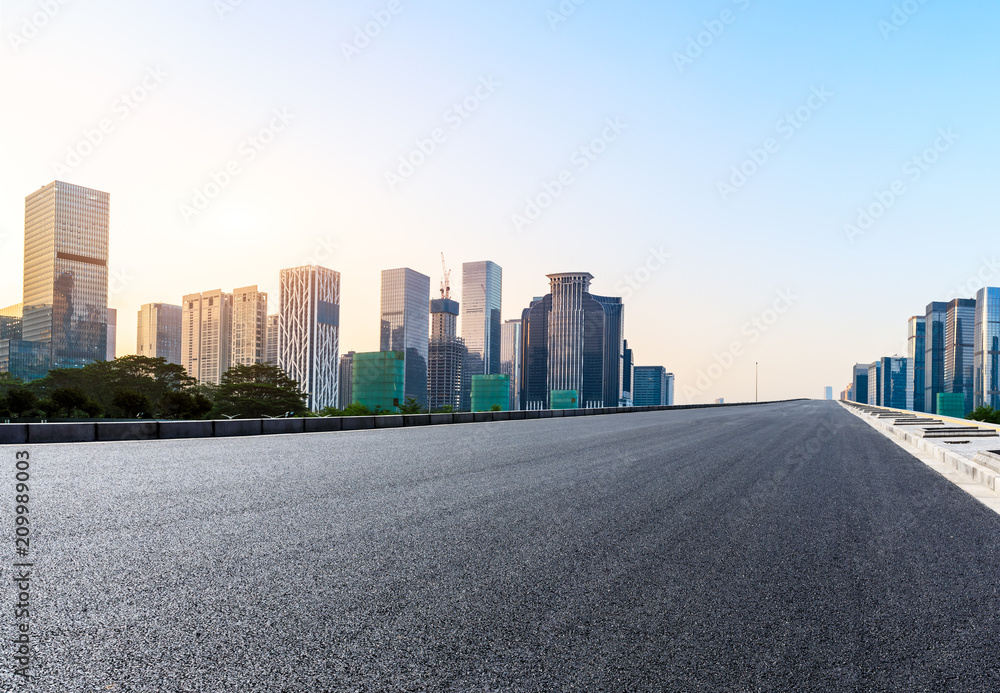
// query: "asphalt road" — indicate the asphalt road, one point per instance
point(775, 548)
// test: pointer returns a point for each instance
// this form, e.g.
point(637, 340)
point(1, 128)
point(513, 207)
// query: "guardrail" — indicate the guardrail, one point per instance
point(80, 432)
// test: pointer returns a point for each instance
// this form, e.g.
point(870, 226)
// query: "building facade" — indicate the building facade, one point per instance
point(249, 329)
point(378, 379)
point(653, 386)
point(345, 393)
point(859, 383)
point(405, 325)
point(206, 340)
point(934, 340)
point(510, 359)
point(490, 391)
point(272, 339)
point(986, 373)
point(628, 364)
point(576, 338)
point(112, 340)
point(875, 384)
point(959, 349)
point(158, 332)
point(916, 349)
point(614, 348)
point(446, 356)
point(893, 374)
point(482, 290)
point(309, 331)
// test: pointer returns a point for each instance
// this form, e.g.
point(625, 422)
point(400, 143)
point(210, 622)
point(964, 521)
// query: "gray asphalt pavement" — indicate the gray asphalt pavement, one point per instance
point(783, 547)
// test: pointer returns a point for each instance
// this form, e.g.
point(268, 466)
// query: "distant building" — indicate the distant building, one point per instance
point(405, 323)
point(446, 356)
point(916, 352)
point(309, 331)
point(959, 348)
point(875, 384)
point(721, 400)
point(482, 292)
point(249, 329)
point(986, 378)
point(206, 339)
point(950, 404)
point(158, 332)
point(112, 340)
point(378, 379)
point(489, 391)
point(652, 386)
point(272, 339)
point(628, 363)
point(510, 359)
point(893, 388)
point(860, 383)
point(934, 341)
point(829, 393)
point(345, 395)
point(614, 346)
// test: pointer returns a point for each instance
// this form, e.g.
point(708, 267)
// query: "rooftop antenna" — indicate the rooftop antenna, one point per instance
point(446, 282)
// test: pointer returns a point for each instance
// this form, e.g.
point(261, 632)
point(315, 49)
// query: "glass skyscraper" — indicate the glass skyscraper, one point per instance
point(893, 374)
point(859, 382)
point(934, 321)
point(915, 353)
point(959, 348)
point(510, 359)
point(65, 312)
point(986, 386)
point(653, 386)
point(614, 345)
point(405, 325)
point(482, 289)
point(875, 384)
point(309, 331)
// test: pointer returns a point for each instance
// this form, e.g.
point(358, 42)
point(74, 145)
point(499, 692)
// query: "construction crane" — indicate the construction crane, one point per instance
point(446, 282)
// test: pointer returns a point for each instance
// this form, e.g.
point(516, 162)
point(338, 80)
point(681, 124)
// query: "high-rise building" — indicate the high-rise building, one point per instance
point(828, 393)
point(249, 330)
point(206, 335)
point(482, 289)
point(986, 375)
point(875, 384)
point(112, 339)
point(533, 387)
point(445, 356)
point(65, 313)
point(345, 393)
point(10, 321)
point(893, 374)
point(916, 350)
point(628, 364)
point(934, 321)
point(614, 346)
point(272, 339)
point(406, 296)
point(309, 332)
point(860, 383)
point(653, 386)
point(959, 348)
point(158, 332)
point(510, 358)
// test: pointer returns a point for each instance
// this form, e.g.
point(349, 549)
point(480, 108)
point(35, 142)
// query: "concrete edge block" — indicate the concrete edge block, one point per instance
point(173, 430)
point(279, 426)
point(13, 434)
point(62, 433)
point(501, 415)
point(323, 424)
point(417, 420)
point(128, 430)
point(231, 428)
point(518, 415)
point(442, 418)
point(389, 421)
point(462, 417)
point(357, 423)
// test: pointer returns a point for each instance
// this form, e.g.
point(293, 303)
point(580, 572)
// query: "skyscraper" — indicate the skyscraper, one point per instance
point(345, 390)
point(916, 350)
point(628, 364)
point(249, 331)
point(482, 289)
point(860, 383)
point(272, 339)
point(406, 296)
point(66, 232)
point(510, 358)
point(875, 384)
point(987, 349)
point(445, 356)
point(959, 348)
point(112, 340)
point(158, 332)
point(934, 321)
point(614, 344)
point(653, 386)
point(206, 335)
point(893, 388)
point(309, 331)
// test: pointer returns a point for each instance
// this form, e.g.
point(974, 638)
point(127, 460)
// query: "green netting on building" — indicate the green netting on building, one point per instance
point(951, 404)
point(490, 390)
point(563, 399)
point(377, 379)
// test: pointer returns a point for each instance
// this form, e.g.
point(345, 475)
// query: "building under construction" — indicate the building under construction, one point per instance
point(446, 352)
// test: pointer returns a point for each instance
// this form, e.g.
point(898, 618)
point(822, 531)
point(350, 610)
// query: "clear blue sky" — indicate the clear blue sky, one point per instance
point(546, 89)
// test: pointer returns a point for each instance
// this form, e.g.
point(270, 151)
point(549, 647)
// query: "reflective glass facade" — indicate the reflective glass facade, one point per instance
point(950, 404)
point(653, 386)
point(875, 384)
point(628, 363)
point(510, 358)
point(986, 374)
point(345, 395)
point(405, 325)
point(158, 332)
point(378, 379)
point(482, 289)
point(272, 339)
point(959, 350)
point(614, 346)
point(533, 389)
point(934, 321)
point(859, 389)
point(915, 354)
point(893, 374)
point(66, 231)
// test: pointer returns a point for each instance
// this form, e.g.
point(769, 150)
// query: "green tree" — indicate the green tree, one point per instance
point(68, 399)
point(132, 404)
point(985, 414)
point(184, 404)
point(20, 401)
point(261, 389)
point(496, 407)
point(411, 406)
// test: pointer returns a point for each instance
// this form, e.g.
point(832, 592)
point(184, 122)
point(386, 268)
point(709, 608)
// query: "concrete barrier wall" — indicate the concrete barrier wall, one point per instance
point(70, 432)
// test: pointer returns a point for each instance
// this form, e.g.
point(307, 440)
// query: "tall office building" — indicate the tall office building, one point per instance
point(345, 390)
point(482, 288)
point(628, 364)
point(893, 387)
point(158, 332)
point(272, 339)
point(986, 384)
point(65, 313)
point(614, 345)
point(959, 348)
point(112, 341)
point(510, 359)
point(446, 354)
point(916, 350)
point(934, 321)
point(309, 332)
point(206, 335)
point(875, 384)
point(653, 387)
point(533, 388)
point(406, 296)
point(860, 383)
point(249, 331)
